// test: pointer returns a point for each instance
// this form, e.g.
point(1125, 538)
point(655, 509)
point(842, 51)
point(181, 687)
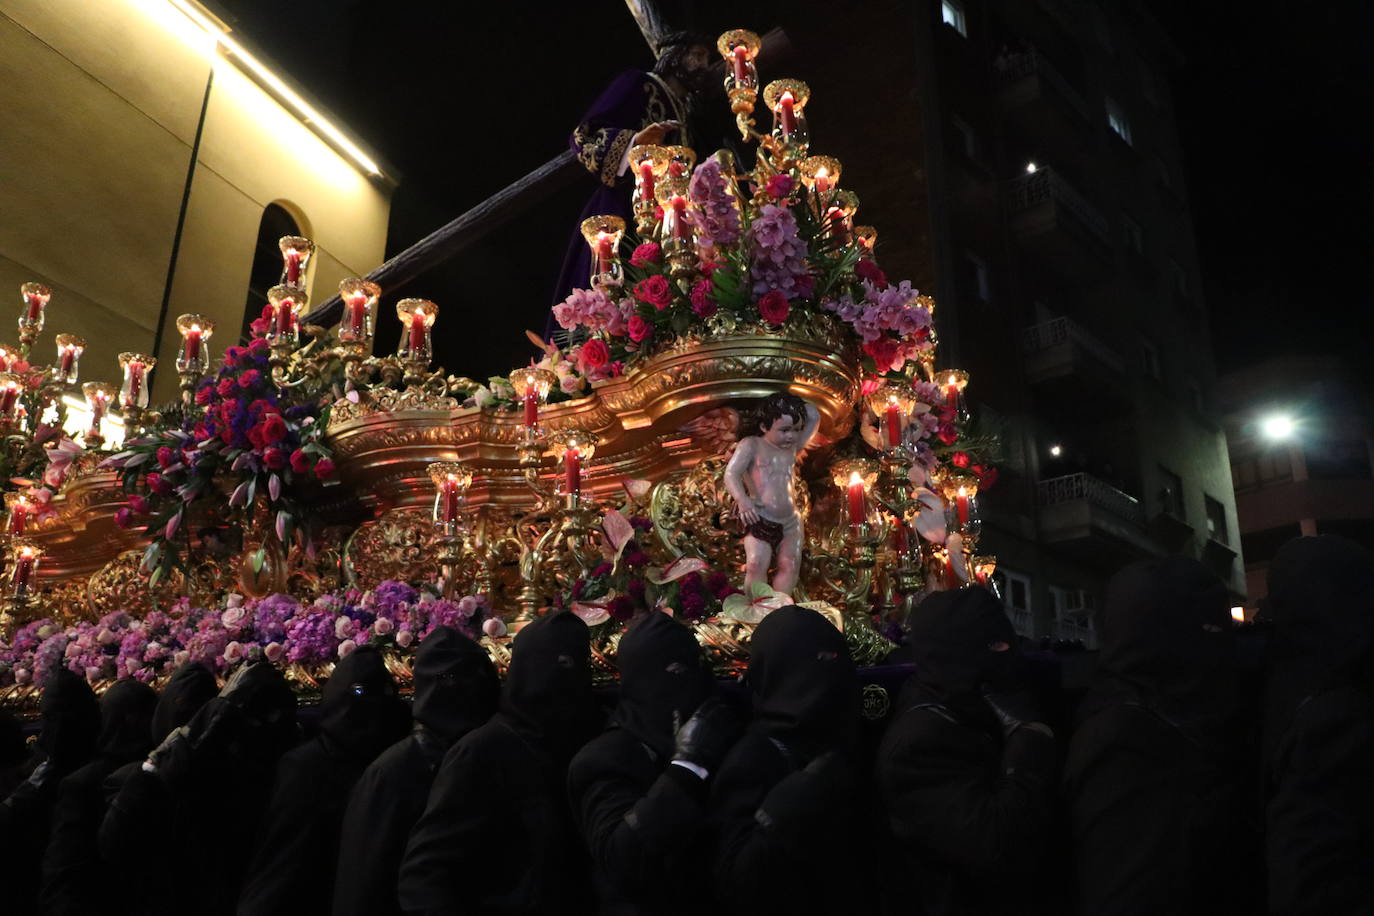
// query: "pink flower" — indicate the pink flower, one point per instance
point(232, 617)
point(138, 504)
point(405, 638)
point(655, 291)
point(467, 605)
point(703, 306)
point(640, 329)
point(345, 627)
point(158, 485)
point(773, 307)
point(494, 627)
point(645, 254)
point(273, 652)
point(779, 186)
point(382, 626)
point(124, 518)
point(346, 648)
point(593, 355)
point(233, 653)
point(323, 468)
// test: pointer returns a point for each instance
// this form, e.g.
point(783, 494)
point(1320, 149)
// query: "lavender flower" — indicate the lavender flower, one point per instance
point(779, 261)
point(718, 221)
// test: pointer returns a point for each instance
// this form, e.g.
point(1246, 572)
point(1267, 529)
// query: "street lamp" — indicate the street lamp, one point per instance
point(1277, 427)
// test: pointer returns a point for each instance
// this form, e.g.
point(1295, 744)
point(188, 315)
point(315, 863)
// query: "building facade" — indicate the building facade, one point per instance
point(140, 161)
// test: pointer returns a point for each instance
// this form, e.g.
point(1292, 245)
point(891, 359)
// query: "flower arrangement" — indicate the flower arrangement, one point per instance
point(252, 439)
point(279, 628)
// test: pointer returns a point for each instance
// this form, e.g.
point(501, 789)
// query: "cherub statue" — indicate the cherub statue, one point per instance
point(759, 477)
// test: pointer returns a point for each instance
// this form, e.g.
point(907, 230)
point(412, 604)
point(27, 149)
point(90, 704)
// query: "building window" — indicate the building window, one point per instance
point(1116, 120)
point(1216, 521)
point(266, 270)
point(968, 140)
point(1149, 359)
point(976, 274)
point(1073, 616)
point(1015, 590)
point(952, 15)
point(1171, 493)
point(1135, 236)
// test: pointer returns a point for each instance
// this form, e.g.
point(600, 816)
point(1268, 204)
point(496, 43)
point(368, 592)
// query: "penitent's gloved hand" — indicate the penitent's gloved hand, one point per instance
point(1015, 709)
point(705, 738)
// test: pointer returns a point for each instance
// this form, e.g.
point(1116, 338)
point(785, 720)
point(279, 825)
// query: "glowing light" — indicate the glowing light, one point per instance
point(1056, 451)
point(303, 109)
point(1031, 168)
point(1238, 614)
point(1279, 426)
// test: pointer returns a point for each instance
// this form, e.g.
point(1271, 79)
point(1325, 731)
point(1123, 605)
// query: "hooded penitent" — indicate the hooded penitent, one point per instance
point(663, 679)
point(805, 693)
point(456, 686)
point(71, 721)
point(548, 690)
point(961, 640)
point(188, 689)
point(126, 716)
point(360, 713)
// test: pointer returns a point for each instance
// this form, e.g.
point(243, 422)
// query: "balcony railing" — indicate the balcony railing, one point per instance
point(1085, 487)
point(1022, 622)
point(1019, 65)
point(1076, 624)
point(1059, 331)
point(1044, 186)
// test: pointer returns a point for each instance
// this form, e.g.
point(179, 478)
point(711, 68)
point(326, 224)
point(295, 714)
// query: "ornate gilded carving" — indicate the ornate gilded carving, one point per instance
point(402, 544)
point(120, 586)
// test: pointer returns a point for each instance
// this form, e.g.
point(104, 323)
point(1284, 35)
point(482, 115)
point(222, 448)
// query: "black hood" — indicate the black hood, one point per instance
point(548, 690)
point(1321, 600)
point(188, 689)
point(1165, 629)
point(360, 712)
point(126, 716)
point(70, 720)
point(663, 679)
point(803, 679)
point(262, 723)
point(952, 634)
point(456, 685)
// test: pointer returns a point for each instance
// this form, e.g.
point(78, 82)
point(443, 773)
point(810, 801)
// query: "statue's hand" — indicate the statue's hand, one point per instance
point(747, 513)
point(655, 133)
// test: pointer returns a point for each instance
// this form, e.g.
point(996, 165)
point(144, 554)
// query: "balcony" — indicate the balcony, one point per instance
point(1057, 225)
point(1041, 106)
point(1092, 521)
point(1076, 624)
point(1072, 369)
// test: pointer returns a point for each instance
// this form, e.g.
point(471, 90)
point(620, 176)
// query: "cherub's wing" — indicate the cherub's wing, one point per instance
point(715, 432)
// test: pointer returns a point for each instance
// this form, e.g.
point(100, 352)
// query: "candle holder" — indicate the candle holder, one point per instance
point(9, 355)
point(983, 567)
point(451, 481)
point(821, 176)
point(194, 358)
point(867, 237)
point(296, 253)
point(839, 216)
point(360, 308)
point(532, 387)
point(133, 393)
point(415, 349)
point(603, 235)
point(952, 383)
point(960, 490)
point(67, 366)
point(676, 232)
point(36, 297)
point(893, 401)
point(11, 387)
point(740, 48)
point(20, 603)
point(575, 447)
point(98, 398)
point(650, 165)
point(677, 175)
point(17, 512)
point(787, 100)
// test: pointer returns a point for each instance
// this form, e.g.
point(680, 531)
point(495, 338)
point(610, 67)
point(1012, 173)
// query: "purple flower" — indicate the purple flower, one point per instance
point(718, 221)
point(779, 261)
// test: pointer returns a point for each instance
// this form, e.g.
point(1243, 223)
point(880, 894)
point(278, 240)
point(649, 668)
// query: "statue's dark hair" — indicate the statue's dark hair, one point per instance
point(776, 406)
point(674, 46)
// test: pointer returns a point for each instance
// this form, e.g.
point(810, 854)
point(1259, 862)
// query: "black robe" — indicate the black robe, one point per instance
point(298, 842)
point(644, 819)
point(786, 806)
point(66, 741)
point(497, 835)
point(179, 835)
point(74, 879)
point(1154, 777)
point(1319, 728)
point(970, 810)
point(456, 690)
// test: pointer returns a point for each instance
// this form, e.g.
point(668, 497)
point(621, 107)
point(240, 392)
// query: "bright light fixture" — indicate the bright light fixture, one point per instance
point(1238, 614)
point(1279, 426)
point(303, 109)
point(1031, 168)
point(1056, 451)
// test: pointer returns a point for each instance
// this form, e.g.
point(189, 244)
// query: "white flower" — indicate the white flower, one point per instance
point(346, 648)
point(233, 617)
point(382, 626)
point(233, 653)
point(22, 676)
point(344, 627)
point(482, 397)
point(181, 658)
point(467, 605)
point(105, 636)
point(92, 672)
point(404, 638)
point(494, 627)
point(234, 600)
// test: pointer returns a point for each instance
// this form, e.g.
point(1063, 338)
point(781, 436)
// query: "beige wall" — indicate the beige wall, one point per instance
point(101, 101)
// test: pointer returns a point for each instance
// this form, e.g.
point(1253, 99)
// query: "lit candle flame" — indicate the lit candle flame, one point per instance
point(1238, 614)
point(854, 478)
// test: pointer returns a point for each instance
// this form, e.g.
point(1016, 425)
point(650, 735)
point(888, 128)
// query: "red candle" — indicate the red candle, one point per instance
point(7, 398)
point(572, 470)
point(450, 501)
point(35, 303)
point(676, 168)
point(23, 570)
point(357, 314)
point(681, 228)
point(284, 317)
point(822, 180)
point(901, 540)
point(646, 180)
point(293, 267)
point(64, 369)
point(856, 499)
point(839, 224)
point(135, 381)
point(952, 395)
point(894, 425)
point(961, 505)
point(786, 115)
point(604, 253)
point(531, 406)
point(417, 331)
point(740, 54)
point(193, 344)
point(19, 517)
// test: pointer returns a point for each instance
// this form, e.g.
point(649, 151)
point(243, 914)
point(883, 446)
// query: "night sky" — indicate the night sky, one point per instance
point(1272, 106)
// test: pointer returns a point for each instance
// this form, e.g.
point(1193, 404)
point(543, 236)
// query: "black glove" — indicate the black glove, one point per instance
point(707, 737)
point(1015, 709)
point(171, 760)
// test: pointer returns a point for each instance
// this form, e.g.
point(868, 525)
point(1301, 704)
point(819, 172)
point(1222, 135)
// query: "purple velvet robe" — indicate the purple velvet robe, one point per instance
point(631, 102)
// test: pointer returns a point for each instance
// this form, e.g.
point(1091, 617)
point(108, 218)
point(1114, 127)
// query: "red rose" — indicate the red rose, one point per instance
point(249, 378)
point(960, 460)
point(157, 484)
point(703, 306)
point(258, 346)
point(594, 354)
point(274, 428)
point(868, 269)
point(274, 458)
point(124, 518)
point(323, 468)
point(138, 504)
point(165, 456)
point(947, 433)
point(615, 369)
point(204, 395)
point(201, 432)
point(646, 254)
point(259, 327)
point(987, 476)
point(773, 307)
point(300, 461)
point(226, 387)
point(639, 328)
point(655, 291)
point(779, 186)
point(884, 351)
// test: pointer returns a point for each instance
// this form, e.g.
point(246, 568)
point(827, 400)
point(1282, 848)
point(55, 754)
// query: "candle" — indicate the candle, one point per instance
point(293, 266)
point(740, 59)
point(604, 252)
point(839, 223)
point(646, 181)
point(23, 569)
point(572, 470)
point(8, 396)
point(531, 405)
point(901, 541)
point(64, 368)
point(135, 382)
point(856, 499)
point(193, 335)
point(894, 424)
point(961, 504)
point(35, 307)
point(357, 313)
point(681, 228)
point(786, 115)
point(822, 180)
point(19, 517)
point(285, 317)
point(676, 168)
point(450, 498)
point(952, 393)
point(417, 331)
